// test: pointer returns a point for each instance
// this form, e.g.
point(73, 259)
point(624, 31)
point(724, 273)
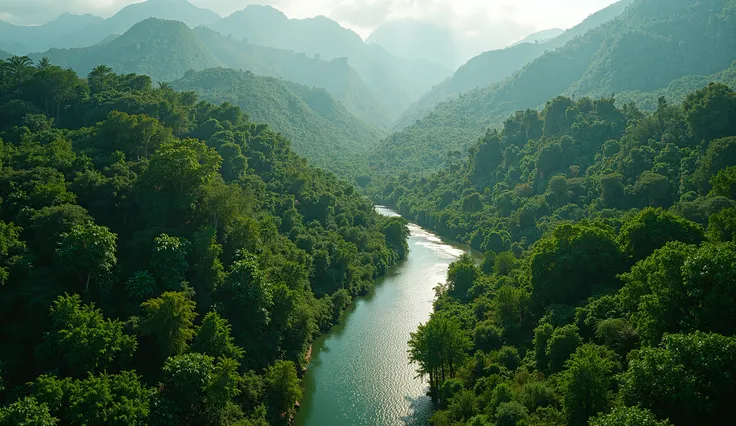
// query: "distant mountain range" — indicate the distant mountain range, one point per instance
point(539, 36)
point(412, 39)
point(496, 65)
point(396, 81)
point(655, 45)
point(86, 30)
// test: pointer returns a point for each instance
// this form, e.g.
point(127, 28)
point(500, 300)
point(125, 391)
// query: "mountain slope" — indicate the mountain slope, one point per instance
point(70, 31)
point(24, 39)
point(653, 43)
point(497, 65)
point(335, 76)
point(164, 50)
point(396, 82)
point(541, 36)
point(320, 128)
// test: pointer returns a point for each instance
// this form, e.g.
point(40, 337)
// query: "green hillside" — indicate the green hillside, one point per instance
point(164, 260)
point(396, 82)
point(163, 50)
point(648, 47)
point(497, 65)
point(335, 76)
point(320, 128)
point(605, 296)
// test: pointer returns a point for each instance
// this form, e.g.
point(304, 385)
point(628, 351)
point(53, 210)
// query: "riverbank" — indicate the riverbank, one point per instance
point(359, 372)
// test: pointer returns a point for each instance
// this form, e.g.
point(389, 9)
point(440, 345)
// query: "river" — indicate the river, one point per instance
point(360, 374)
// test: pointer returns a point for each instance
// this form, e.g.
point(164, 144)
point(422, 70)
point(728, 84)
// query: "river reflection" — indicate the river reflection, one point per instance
point(360, 374)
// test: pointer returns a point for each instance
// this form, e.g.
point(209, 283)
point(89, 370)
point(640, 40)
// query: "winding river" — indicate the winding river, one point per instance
point(359, 374)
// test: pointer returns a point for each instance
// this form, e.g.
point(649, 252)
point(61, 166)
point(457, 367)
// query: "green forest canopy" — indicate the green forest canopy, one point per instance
point(163, 260)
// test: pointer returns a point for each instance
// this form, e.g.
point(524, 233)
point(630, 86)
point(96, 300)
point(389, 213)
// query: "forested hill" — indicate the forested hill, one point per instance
point(336, 76)
point(606, 295)
point(653, 43)
point(320, 128)
point(164, 260)
point(165, 50)
point(69, 30)
point(496, 65)
point(161, 49)
point(396, 82)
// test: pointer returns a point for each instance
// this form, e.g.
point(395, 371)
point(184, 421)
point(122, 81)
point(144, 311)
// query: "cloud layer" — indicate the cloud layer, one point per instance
point(501, 20)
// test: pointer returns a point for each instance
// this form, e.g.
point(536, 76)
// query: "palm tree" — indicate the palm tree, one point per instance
point(99, 77)
point(18, 68)
point(44, 64)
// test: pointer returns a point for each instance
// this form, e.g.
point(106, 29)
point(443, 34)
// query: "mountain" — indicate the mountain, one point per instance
point(69, 31)
point(412, 39)
point(162, 49)
point(335, 76)
point(397, 82)
point(540, 36)
point(653, 43)
point(24, 39)
point(320, 128)
point(4, 54)
point(496, 65)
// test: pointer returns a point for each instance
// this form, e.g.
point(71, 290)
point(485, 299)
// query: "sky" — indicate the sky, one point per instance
point(505, 19)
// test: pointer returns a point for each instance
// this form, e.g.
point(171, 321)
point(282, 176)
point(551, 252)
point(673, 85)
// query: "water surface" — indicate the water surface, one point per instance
point(360, 374)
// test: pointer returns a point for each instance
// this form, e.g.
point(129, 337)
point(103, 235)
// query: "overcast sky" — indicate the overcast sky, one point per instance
point(469, 16)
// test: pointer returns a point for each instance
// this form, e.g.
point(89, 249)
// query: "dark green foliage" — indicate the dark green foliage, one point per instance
point(200, 235)
point(597, 262)
point(652, 229)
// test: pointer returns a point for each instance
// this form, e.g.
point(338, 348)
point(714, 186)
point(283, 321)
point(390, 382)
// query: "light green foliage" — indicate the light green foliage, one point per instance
point(587, 383)
point(438, 348)
point(89, 251)
point(169, 261)
point(84, 338)
point(213, 338)
point(724, 183)
point(461, 276)
point(510, 414)
point(688, 378)
point(12, 250)
point(628, 416)
point(27, 412)
point(169, 320)
point(109, 399)
point(282, 390)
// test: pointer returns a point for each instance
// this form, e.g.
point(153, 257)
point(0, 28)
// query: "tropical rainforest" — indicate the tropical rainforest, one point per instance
point(187, 203)
point(164, 260)
point(606, 293)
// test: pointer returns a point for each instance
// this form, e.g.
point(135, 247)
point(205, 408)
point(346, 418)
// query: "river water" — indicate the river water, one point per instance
point(360, 374)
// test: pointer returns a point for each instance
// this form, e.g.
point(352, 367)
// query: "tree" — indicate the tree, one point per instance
point(561, 345)
point(722, 225)
point(571, 263)
point(12, 251)
point(612, 190)
point(141, 285)
point(396, 231)
point(84, 338)
point(721, 153)
point(487, 337)
point(682, 288)
point(587, 383)
point(89, 251)
point(628, 416)
point(460, 277)
point(18, 68)
point(689, 378)
point(510, 414)
point(100, 78)
point(654, 186)
point(438, 347)
point(724, 183)
point(169, 320)
point(213, 338)
point(27, 412)
point(282, 390)
point(209, 274)
point(652, 229)
point(709, 112)
point(169, 261)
